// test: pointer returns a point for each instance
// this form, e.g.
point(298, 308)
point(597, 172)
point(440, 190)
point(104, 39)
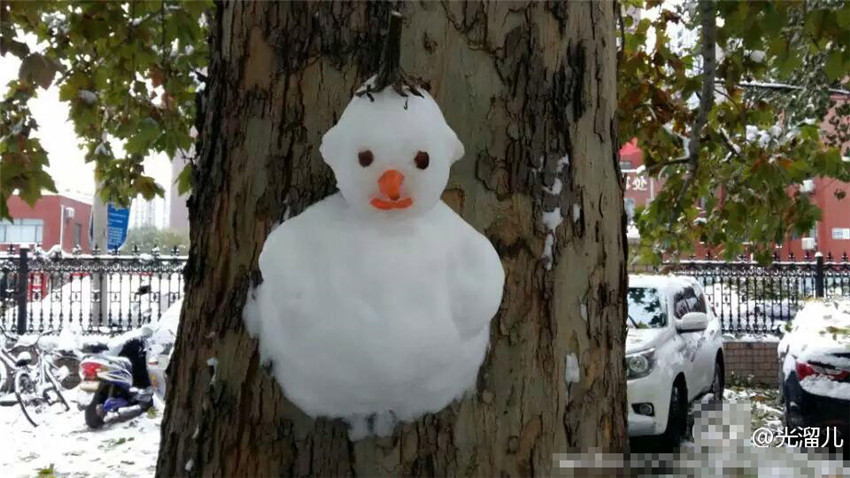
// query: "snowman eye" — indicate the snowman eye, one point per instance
point(422, 160)
point(365, 158)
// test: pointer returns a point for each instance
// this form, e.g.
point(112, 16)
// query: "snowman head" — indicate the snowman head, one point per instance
point(391, 155)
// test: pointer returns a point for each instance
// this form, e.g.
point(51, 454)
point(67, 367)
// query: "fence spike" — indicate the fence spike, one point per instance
point(829, 256)
point(175, 251)
point(844, 257)
point(135, 249)
point(791, 257)
point(96, 250)
point(77, 251)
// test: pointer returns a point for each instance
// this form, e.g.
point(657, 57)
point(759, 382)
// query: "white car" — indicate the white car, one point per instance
point(674, 354)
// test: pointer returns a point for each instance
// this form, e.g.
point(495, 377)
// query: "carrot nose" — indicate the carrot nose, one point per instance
point(390, 184)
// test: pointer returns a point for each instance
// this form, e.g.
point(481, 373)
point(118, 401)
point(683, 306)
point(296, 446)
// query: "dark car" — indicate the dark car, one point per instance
point(814, 359)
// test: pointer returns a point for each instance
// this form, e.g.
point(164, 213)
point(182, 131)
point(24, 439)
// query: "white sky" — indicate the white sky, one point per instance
point(67, 160)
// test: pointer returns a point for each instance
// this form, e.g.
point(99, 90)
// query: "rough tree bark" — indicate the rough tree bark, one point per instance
point(524, 85)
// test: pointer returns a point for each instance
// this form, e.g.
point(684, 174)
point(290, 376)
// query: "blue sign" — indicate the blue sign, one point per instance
point(117, 221)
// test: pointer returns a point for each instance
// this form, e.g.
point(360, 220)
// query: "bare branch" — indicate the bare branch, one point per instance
point(660, 165)
point(390, 72)
point(786, 87)
point(734, 150)
point(708, 22)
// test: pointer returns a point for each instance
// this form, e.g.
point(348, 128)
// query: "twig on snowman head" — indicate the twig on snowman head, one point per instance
point(390, 72)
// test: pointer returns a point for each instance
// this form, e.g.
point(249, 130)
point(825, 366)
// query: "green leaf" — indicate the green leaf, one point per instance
point(185, 179)
point(37, 69)
point(140, 140)
point(834, 66)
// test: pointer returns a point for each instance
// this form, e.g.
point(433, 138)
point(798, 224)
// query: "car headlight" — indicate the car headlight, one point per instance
point(640, 364)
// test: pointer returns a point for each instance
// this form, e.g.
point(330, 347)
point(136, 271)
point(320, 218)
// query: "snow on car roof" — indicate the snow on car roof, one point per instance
point(820, 329)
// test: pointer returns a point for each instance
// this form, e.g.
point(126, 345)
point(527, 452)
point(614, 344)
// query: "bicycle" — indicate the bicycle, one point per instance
point(33, 381)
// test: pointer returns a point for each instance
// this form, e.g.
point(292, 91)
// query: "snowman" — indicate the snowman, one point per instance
point(376, 302)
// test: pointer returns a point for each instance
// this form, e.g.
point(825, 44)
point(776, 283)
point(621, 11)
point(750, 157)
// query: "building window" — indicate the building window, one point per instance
point(21, 231)
point(78, 234)
point(841, 233)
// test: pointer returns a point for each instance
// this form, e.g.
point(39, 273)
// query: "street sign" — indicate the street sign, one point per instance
point(117, 220)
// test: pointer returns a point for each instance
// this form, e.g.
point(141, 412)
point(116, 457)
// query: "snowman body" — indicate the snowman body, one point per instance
point(376, 301)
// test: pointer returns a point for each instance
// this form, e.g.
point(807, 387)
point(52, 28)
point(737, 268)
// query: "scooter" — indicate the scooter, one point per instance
point(119, 378)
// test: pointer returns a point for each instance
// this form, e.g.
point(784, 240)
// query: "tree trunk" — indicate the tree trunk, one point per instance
point(525, 86)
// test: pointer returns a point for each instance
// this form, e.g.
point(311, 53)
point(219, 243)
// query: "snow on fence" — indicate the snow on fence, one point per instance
point(752, 298)
point(98, 293)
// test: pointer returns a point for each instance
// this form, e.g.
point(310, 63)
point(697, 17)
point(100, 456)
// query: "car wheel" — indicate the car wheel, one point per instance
point(718, 384)
point(677, 417)
point(793, 418)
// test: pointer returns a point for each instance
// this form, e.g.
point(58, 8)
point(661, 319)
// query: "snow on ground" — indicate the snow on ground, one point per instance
point(723, 443)
point(766, 409)
point(63, 444)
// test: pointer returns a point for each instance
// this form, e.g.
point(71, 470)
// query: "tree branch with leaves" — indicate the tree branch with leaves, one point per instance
point(126, 71)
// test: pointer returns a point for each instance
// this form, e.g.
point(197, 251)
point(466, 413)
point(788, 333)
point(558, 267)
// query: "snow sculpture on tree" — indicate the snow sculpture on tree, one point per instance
point(376, 302)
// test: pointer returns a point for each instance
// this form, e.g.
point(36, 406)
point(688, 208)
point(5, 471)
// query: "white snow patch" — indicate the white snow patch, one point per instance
point(564, 162)
point(212, 362)
point(190, 465)
point(820, 331)
point(556, 188)
point(572, 373)
point(632, 232)
point(88, 97)
point(548, 247)
point(826, 387)
point(576, 212)
point(126, 448)
point(552, 219)
point(757, 56)
point(583, 311)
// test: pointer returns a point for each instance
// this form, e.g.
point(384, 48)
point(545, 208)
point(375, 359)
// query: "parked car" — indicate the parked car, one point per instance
point(814, 358)
point(674, 354)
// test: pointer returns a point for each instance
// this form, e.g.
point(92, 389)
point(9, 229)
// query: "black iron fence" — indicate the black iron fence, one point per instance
point(91, 293)
point(753, 298)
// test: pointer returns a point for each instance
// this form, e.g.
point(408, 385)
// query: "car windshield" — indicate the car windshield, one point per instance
point(646, 310)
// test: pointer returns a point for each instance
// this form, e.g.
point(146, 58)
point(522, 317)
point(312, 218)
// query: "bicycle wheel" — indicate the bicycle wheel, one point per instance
point(25, 392)
point(5, 382)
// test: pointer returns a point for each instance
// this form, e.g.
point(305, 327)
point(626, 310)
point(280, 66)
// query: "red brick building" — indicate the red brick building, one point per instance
point(42, 225)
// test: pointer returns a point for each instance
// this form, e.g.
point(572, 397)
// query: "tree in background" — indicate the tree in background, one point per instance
point(726, 100)
point(129, 72)
point(147, 237)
